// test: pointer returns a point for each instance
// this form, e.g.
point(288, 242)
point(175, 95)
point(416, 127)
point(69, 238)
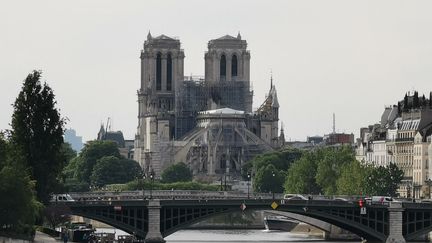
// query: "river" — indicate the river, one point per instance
point(231, 236)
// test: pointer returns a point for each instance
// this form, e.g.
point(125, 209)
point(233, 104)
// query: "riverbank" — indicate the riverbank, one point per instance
point(40, 237)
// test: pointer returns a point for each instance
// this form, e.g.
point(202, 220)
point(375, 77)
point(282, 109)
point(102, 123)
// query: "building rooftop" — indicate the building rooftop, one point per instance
point(223, 111)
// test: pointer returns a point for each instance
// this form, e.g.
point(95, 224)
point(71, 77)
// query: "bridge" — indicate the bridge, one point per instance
point(155, 218)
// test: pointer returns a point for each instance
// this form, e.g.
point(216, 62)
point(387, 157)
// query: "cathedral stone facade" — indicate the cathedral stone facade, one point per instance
point(206, 122)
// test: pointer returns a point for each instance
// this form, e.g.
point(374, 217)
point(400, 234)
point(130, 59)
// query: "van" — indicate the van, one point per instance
point(384, 200)
point(61, 198)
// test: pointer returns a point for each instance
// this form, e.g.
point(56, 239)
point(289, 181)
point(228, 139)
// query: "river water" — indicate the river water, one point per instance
point(231, 236)
point(237, 236)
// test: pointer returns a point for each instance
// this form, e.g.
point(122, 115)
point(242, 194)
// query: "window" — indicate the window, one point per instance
point(234, 66)
point(222, 68)
point(169, 72)
point(158, 71)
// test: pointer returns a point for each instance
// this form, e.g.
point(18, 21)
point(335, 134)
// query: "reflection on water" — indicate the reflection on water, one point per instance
point(232, 236)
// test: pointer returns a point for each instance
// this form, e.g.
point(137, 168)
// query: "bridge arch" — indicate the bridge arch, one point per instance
point(133, 216)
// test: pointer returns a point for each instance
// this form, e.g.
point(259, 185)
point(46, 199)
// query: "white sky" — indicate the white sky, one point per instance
point(347, 57)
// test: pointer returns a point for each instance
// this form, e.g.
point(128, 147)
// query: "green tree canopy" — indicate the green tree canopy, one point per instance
point(301, 175)
point(3, 150)
point(269, 179)
point(112, 170)
point(352, 179)
point(90, 154)
point(18, 206)
point(281, 160)
point(382, 180)
point(37, 134)
point(178, 172)
point(330, 167)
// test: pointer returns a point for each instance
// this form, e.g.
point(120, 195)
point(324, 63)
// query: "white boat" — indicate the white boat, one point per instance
point(278, 222)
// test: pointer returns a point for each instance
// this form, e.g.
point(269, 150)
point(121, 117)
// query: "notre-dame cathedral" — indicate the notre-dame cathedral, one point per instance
point(206, 122)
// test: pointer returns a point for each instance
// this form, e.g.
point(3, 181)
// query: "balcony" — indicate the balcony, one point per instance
point(404, 139)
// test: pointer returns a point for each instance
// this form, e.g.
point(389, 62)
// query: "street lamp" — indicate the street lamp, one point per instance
point(248, 182)
point(273, 174)
point(429, 182)
point(151, 183)
point(142, 185)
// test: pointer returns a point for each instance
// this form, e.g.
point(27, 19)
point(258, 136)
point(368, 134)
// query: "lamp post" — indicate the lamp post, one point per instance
point(273, 175)
point(429, 182)
point(151, 184)
point(248, 183)
point(142, 185)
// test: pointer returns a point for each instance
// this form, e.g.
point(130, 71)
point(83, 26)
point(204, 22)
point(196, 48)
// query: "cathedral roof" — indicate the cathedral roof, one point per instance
point(164, 37)
point(223, 111)
point(227, 37)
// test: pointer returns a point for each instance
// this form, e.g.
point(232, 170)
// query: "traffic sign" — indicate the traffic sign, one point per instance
point(274, 205)
point(363, 210)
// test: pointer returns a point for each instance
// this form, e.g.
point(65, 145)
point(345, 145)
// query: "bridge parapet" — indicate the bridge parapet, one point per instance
point(169, 194)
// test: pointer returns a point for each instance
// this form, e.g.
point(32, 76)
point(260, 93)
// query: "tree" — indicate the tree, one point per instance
point(176, 173)
point(416, 102)
point(269, 179)
point(405, 106)
point(330, 166)
point(282, 160)
point(57, 214)
point(351, 180)
point(18, 205)
point(37, 134)
point(301, 175)
point(67, 152)
point(393, 179)
point(112, 170)
point(93, 151)
point(3, 150)
point(430, 99)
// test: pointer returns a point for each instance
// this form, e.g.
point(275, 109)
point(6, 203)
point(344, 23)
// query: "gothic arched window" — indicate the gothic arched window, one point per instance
point(222, 68)
point(234, 66)
point(169, 73)
point(159, 71)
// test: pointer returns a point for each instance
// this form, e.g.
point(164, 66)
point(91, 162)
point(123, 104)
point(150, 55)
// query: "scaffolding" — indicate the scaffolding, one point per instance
point(195, 96)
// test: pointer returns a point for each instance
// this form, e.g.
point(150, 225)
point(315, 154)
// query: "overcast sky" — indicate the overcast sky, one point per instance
point(348, 57)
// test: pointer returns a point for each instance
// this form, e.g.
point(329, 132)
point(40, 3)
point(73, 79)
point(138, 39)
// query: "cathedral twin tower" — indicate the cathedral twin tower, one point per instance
point(170, 103)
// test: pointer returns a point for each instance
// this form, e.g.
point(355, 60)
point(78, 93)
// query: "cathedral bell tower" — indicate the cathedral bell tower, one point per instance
point(227, 59)
point(227, 63)
point(161, 74)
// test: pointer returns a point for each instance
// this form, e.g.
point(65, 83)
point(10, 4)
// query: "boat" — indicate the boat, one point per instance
point(278, 222)
point(80, 232)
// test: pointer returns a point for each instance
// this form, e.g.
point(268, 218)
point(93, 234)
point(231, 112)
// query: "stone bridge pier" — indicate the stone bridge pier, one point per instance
point(154, 234)
point(395, 223)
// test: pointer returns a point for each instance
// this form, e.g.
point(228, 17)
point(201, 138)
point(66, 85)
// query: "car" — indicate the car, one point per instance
point(61, 198)
point(294, 197)
point(341, 199)
point(385, 200)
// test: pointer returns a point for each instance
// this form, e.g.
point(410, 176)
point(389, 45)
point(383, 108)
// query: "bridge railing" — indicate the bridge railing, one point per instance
point(170, 194)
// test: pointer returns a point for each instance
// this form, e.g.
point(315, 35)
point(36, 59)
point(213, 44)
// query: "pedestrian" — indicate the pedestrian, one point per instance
point(85, 238)
point(65, 237)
